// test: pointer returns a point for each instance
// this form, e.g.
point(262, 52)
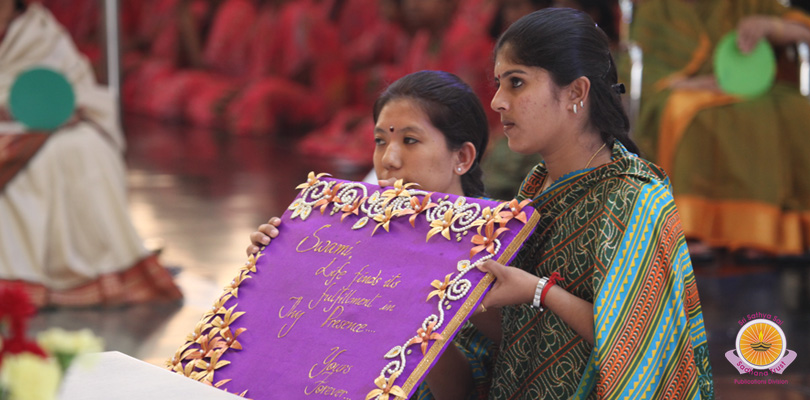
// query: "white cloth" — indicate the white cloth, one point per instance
point(64, 218)
point(114, 375)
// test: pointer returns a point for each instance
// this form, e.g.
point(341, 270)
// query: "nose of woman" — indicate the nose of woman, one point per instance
point(498, 103)
point(392, 157)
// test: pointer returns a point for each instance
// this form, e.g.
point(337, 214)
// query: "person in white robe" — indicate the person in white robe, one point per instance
point(65, 230)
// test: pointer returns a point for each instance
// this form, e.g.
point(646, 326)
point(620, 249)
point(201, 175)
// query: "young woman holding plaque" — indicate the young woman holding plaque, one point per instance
point(430, 128)
point(601, 301)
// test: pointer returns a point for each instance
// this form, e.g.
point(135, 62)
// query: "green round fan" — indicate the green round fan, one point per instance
point(41, 99)
point(746, 75)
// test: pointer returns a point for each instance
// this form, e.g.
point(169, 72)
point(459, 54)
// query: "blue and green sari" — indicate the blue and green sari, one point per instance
point(614, 235)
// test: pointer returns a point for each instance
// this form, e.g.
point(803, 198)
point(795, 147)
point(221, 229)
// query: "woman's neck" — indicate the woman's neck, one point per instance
point(576, 156)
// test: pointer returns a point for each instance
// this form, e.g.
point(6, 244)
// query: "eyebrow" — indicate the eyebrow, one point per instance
point(406, 129)
point(510, 72)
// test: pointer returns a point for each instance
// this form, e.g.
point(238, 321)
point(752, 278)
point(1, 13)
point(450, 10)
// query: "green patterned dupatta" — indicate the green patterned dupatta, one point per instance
point(614, 235)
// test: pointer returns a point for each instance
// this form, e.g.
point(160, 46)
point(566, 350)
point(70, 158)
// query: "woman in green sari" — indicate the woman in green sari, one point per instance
point(738, 165)
point(601, 301)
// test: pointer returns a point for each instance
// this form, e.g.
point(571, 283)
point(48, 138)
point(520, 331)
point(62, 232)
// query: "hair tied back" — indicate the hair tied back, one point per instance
point(618, 88)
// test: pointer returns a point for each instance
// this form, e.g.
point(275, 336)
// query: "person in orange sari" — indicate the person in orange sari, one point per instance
point(738, 165)
point(66, 236)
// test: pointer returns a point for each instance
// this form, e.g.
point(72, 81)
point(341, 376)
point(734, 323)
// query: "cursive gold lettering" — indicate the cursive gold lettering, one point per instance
point(344, 296)
point(393, 282)
point(323, 246)
point(292, 313)
point(325, 369)
point(340, 324)
point(333, 274)
point(329, 365)
point(362, 277)
point(322, 388)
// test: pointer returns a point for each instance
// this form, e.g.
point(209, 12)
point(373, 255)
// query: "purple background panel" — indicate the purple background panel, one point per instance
point(327, 302)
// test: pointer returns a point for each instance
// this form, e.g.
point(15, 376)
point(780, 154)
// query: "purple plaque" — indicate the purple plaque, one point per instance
point(357, 297)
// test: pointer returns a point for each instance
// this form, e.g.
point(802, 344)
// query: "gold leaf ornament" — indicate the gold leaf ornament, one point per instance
point(417, 207)
point(400, 190)
point(311, 180)
point(442, 225)
point(384, 219)
point(441, 287)
point(386, 388)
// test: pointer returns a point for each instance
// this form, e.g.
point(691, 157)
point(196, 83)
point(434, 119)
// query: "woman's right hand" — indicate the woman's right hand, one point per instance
point(263, 235)
point(755, 27)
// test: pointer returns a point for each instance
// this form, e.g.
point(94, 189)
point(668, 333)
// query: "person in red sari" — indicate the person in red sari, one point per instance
point(420, 36)
point(162, 37)
point(255, 71)
point(376, 44)
point(298, 71)
point(82, 19)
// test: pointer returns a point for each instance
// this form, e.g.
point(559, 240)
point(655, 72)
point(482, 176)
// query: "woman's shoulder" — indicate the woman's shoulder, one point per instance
point(634, 168)
point(629, 178)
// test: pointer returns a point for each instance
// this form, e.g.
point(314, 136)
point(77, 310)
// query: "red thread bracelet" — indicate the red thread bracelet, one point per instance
point(551, 281)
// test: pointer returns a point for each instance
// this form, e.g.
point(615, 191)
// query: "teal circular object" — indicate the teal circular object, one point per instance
point(41, 99)
point(745, 75)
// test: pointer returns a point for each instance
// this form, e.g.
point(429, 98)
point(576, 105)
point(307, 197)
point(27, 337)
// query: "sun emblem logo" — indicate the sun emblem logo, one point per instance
point(761, 347)
point(761, 344)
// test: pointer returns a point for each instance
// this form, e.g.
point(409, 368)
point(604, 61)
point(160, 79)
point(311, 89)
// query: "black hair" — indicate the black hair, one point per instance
point(568, 44)
point(453, 108)
point(496, 27)
point(19, 5)
point(604, 10)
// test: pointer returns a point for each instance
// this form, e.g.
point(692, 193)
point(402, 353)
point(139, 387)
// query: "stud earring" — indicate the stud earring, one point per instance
point(581, 104)
point(458, 169)
point(575, 108)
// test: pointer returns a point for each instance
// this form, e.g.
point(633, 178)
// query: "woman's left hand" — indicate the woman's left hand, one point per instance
point(512, 286)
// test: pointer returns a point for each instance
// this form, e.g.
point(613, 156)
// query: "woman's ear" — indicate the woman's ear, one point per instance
point(465, 157)
point(578, 91)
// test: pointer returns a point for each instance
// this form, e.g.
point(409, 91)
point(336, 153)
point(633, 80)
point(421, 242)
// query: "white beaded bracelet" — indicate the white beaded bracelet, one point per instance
point(539, 291)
